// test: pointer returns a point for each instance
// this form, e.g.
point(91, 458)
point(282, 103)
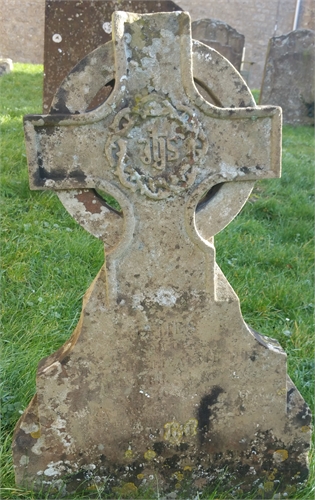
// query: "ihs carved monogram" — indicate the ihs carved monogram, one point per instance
point(155, 147)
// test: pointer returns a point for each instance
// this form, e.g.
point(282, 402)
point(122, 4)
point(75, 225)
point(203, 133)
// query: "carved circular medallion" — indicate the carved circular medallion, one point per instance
point(156, 147)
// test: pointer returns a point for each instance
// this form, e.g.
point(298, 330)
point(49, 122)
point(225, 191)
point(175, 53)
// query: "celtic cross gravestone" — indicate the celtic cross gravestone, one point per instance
point(161, 379)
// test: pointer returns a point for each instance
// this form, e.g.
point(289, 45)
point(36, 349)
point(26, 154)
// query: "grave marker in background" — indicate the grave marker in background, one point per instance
point(6, 66)
point(74, 28)
point(221, 37)
point(288, 79)
point(161, 379)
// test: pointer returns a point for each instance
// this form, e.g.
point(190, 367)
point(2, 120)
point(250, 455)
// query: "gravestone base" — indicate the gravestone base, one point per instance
point(180, 436)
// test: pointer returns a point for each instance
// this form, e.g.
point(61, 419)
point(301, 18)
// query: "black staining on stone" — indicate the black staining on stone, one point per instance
point(258, 337)
point(269, 109)
point(60, 106)
point(205, 411)
point(258, 167)
point(289, 394)
point(171, 462)
point(65, 360)
point(243, 469)
point(242, 104)
point(80, 66)
point(159, 447)
point(183, 446)
point(309, 108)
point(250, 110)
point(253, 356)
point(304, 416)
point(245, 170)
point(208, 196)
point(24, 441)
point(40, 164)
point(60, 175)
point(304, 473)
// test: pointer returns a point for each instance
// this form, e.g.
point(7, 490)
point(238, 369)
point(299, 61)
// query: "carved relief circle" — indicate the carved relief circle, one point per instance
point(155, 147)
point(97, 68)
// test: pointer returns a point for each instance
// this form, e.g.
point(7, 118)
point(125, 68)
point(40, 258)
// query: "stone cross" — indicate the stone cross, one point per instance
point(161, 377)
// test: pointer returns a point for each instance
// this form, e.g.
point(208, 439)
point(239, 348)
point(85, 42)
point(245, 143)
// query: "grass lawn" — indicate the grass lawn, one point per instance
point(48, 262)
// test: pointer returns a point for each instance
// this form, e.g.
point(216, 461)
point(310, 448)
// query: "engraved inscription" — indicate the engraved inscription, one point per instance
point(175, 432)
point(159, 150)
point(155, 147)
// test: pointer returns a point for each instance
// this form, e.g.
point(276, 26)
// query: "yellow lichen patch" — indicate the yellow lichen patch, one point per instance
point(272, 475)
point(178, 486)
point(281, 392)
point(268, 486)
point(36, 434)
point(127, 490)
point(305, 428)
point(188, 468)
point(140, 476)
point(93, 487)
point(128, 454)
point(173, 432)
point(280, 455)
point(190, 427)
point(179, 476)
point(149, 455)
point(290, 490)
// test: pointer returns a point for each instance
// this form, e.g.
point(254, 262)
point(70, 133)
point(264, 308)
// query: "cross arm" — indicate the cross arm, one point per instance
point(244, 143)
point(64, 151)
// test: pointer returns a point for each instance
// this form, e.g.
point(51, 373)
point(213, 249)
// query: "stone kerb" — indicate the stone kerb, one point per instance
point(288, 79)
point(221, 37)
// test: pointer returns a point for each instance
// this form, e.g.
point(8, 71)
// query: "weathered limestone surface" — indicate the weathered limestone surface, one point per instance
point(221, 37)
point(289, 76)
point(161, 379)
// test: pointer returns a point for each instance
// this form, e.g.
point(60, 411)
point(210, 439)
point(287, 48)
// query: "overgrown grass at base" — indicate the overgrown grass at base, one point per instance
point(48, 262)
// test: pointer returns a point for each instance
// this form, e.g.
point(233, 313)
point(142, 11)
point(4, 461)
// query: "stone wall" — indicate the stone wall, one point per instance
point(22, 30)
point(22, 38)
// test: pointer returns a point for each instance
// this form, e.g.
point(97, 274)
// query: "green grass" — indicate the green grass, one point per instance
point(48, 262)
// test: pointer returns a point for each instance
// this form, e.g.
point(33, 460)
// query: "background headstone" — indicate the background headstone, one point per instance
point(221, 37)
point(289, 76)
point(6, 66)
point(74, 28)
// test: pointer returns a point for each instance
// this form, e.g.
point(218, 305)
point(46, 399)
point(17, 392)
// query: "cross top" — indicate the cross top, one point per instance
point(156, 144)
